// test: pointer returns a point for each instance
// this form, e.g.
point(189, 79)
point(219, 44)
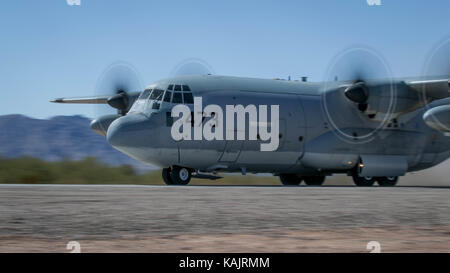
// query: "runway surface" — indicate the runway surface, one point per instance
point(44, 218)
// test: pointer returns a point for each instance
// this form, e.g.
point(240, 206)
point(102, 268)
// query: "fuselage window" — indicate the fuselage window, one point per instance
point(177, 87)
point(186, 88)
point(188, 99)
point(156, 105)
point(177, 98)
point(167, 96)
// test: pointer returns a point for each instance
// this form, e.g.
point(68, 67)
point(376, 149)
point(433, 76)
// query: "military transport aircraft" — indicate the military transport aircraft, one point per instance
point(373, 129)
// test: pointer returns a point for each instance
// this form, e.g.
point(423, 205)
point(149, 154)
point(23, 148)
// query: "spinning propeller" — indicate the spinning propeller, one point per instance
point(192, 66)
point(121, 85)
point(361, 70)
point(354, 83)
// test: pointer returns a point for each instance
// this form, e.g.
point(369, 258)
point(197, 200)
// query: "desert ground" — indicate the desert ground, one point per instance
point(127, 218)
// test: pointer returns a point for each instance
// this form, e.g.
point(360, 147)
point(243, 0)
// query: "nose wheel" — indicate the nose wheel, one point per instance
point(176, 175)
point(166, 176)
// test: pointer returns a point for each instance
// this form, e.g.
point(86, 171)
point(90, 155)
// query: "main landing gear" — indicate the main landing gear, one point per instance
point(368, 181)
point(365, 181)
point(389, 181)
point(176, 175)
point(295, 180)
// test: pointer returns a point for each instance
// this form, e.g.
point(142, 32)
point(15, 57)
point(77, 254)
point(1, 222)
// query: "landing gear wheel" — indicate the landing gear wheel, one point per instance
point(180, 175)
point(389, 181)
point(166, 176)
point(366, 181)
point(290, 179)
point(314, 180)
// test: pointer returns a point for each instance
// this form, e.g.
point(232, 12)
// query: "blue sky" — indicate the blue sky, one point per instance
point(49, 49)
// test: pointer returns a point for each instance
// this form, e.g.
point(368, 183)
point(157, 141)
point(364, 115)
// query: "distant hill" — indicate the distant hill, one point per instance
point(61, 137)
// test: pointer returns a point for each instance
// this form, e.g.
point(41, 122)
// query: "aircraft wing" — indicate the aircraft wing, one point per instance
point(83, 100)
point(374, 98)
point(94, 99)
point(432, 89)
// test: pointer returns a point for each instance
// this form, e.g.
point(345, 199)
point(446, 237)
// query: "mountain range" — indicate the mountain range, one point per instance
point(57, 138)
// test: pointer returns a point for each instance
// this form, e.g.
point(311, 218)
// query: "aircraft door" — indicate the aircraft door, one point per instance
point(232, 150)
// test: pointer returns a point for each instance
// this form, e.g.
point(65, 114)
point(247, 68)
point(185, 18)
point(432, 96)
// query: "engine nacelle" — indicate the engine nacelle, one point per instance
point(438, 118)
point(100, 125)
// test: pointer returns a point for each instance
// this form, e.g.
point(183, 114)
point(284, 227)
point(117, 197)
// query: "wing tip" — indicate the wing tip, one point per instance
point(59, 100)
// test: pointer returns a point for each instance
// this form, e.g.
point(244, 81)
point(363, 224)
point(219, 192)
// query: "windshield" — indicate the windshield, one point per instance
point(154, 99)
point(139, 104)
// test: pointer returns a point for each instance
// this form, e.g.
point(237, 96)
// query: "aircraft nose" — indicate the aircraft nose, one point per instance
point(123, 131)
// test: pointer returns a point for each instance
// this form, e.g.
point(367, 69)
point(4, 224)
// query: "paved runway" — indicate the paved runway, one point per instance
point(44, 218)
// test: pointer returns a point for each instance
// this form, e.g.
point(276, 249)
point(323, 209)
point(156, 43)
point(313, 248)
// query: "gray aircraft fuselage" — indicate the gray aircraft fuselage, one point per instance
point(309, 142)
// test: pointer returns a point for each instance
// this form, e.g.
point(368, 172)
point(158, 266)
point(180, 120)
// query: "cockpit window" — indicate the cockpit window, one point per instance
point(139, 104)
point(144, 95)
point(167, 96)
point(156, 98)
point(156, 105)
point(188, 99)
point(177, 98)
point(157, 94)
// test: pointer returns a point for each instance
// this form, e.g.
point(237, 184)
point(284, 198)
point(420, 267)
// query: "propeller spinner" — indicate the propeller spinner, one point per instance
point(116, 82)
point(352, 88)
point(119, 79)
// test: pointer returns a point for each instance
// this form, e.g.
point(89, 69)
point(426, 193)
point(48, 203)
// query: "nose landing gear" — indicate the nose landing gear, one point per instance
point(176, 175)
